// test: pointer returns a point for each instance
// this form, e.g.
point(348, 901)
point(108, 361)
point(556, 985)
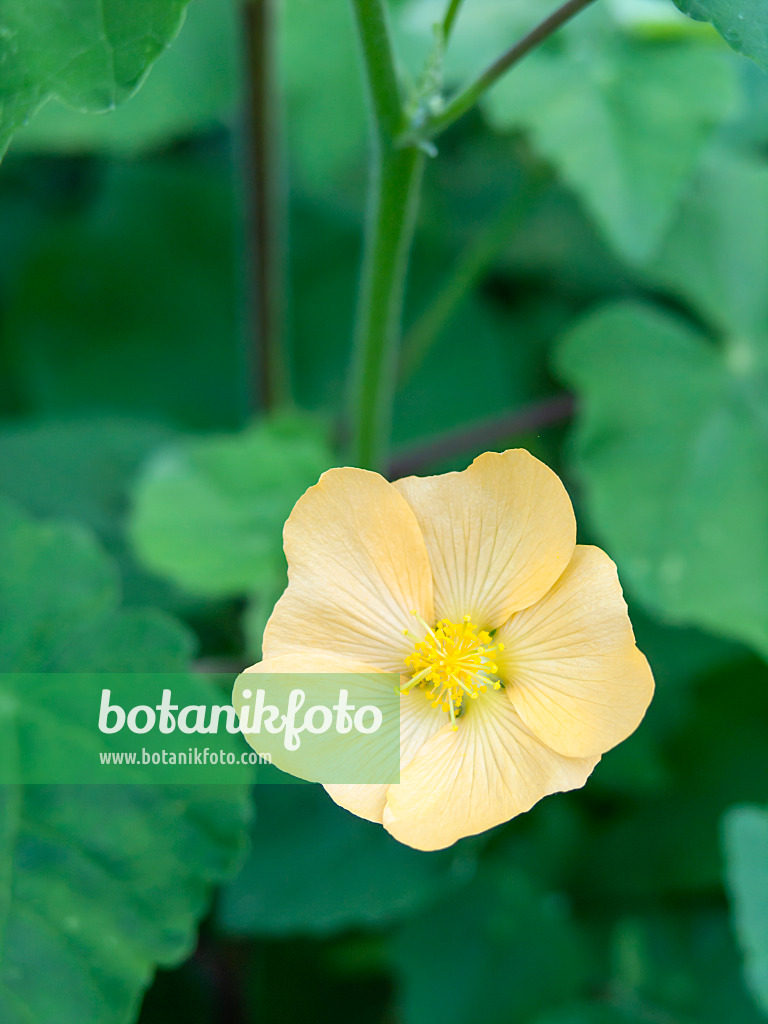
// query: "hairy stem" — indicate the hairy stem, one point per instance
point(380, 72)
point(395, 181)
point(468, 96)
point(394, 198)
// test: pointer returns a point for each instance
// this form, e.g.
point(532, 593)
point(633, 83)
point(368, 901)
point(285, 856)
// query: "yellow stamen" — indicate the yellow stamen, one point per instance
point(451, 661)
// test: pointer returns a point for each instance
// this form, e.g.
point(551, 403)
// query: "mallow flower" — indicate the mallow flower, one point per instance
point(517, 661)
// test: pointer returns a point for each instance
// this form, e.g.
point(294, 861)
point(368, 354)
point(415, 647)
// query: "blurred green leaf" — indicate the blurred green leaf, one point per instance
point(593, 1013)
point(40, 460)
point(131, 305)
point(562, 248)
point(747, 131)
point(680, 965)
point(710, 258)
point(670, 445)
point(746, 849)
point(98, 884)
point(90, 55)
point(325, 97)
point(325, 255)
point(663, 845)
point(743, 24)
point(680, 659)
point(258, 609)
point(498, 951)
point(209, 513)
point(482, 29)
point(647, 108)
point(315, 869)
point(655, 19)
point(194, 87)
point(510, 345)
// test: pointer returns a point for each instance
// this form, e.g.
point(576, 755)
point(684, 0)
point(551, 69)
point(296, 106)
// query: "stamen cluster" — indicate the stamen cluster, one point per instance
point(452, 662)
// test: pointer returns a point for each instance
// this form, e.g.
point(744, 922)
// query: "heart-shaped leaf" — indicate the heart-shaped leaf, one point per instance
point(98, 884)
point(92, 54)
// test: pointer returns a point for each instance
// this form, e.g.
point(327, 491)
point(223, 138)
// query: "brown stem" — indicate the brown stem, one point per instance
point(266, 203)
point(484, 435)
point(222, 966)
point(464, 100)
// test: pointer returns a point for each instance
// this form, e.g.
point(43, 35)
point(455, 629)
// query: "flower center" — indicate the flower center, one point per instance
point(453, 661)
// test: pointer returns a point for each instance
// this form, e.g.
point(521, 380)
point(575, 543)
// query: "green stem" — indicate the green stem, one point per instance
point(380, 70)
point(395, 195)
point(450, 18)
point(466, 99)
point(395, 181)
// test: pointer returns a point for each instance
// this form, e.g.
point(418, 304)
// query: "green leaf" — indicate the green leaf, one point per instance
point(666, 843)
point(677, 964)
point(717, 243)
point(670, 446)
point(647, 109)
point(98, 884)
point(209, 513)
point(593, 1013)
point(498, 951)
point(39, 461)
point(743, 24)
point(193, 88)
point(114, 306)
point(329, 870)
point(91, 54)
point(746, 848)
point(326, 126)
point(747, 131)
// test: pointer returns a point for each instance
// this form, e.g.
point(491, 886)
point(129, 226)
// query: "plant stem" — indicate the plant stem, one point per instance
point(468, 96)
point(380, 71)
point(395, 192)
point(450, 18)
point(478, 436)
point(224, 970)
point(266, 206)
point(395, 180)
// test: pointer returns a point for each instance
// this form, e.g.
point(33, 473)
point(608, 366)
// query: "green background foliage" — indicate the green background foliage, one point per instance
point(598, 225)
point(90, 55)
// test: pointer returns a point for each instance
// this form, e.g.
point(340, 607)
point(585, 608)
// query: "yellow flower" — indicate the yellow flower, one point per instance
point(517, 659)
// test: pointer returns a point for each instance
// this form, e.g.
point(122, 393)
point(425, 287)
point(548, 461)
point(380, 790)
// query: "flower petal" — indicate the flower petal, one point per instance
point(365, 800)
point(498, 534)
point(357, 566)
point(419, 721)
point(573, 672)
point(486, 772)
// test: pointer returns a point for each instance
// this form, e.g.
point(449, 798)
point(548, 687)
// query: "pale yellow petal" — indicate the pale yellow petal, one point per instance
point(314, 661)
point(573, 672)
point(486, 772)
point(498, 534)
point(365, 800)
point(419, 721)
point(357, 566)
